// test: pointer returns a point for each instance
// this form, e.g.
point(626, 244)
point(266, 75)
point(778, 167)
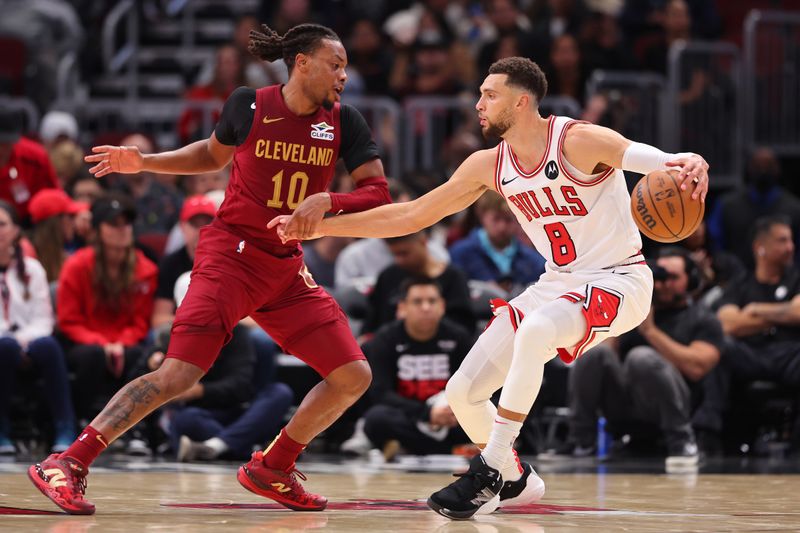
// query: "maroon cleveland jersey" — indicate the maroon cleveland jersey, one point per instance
point(284, 159)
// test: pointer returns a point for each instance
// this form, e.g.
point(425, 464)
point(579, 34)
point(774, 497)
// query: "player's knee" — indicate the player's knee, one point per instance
point(536, 336)
point(457, 390)
point(352, 379)
point(174, 377)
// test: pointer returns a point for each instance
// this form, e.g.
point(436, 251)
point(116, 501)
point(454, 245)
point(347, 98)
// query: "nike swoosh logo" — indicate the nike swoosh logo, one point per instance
point(268, 120)
point(506, 182)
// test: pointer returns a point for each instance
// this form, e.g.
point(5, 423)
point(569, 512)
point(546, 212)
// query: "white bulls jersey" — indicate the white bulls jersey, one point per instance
point(577, 222)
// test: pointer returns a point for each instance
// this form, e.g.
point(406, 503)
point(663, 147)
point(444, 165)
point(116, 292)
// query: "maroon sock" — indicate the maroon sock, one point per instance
point(283, 452)
point(86, 447)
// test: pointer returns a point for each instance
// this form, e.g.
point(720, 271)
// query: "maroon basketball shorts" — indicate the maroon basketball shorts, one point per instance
point(232, 279)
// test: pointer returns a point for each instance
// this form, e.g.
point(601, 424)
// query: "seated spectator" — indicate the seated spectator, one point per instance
point(566, 75)
point(25, 168)
point(197, 211)
point(234, 407)
point(718, 268)
point(736, 212)
point(105, 301)
point(157, 206)
point(651, 376)
point(369, 54)
point(411, 258)
point(360, 262)
point(492, 252)
point(56, 127)
point(229, 73)
point(53, 215)
point(26, 341)
point(412, 359)
point(761, 313)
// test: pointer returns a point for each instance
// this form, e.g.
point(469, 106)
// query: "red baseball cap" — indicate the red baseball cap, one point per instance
point(197, 205)
point(51, 202)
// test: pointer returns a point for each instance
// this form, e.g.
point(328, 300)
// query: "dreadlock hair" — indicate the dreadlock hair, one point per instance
point(301, 39)
point(22, 274)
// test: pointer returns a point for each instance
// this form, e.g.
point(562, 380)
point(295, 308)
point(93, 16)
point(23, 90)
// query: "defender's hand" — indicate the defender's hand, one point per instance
point(281, 222)
point(305, 219)
point(122, 159)
point(692, 169)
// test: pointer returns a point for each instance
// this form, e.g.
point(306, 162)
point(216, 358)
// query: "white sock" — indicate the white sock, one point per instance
point(216, 444)
point(501, 441)
point(513, 470)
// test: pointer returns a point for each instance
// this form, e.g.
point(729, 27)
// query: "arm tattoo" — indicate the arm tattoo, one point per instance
point(134, 396)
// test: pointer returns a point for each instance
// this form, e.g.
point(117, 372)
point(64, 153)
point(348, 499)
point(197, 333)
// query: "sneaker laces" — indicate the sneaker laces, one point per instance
point(472, 482)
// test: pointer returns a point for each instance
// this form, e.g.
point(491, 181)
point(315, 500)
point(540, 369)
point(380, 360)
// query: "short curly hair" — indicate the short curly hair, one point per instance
point(522, 73)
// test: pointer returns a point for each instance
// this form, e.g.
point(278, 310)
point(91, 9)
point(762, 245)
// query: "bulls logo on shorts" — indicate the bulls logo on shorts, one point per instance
point(551, 170)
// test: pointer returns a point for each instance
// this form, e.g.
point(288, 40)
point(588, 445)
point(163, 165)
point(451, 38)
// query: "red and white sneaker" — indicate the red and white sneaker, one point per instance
point(64, 482)
point(279, 485)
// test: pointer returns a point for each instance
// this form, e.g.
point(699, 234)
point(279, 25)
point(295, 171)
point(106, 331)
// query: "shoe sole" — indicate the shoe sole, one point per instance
point(532, 493)
point(45, 489)
point(246, 482)
point(487, 508)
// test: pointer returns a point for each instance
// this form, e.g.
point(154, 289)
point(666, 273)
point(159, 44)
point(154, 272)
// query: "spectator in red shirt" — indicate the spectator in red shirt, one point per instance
point(105, 300)
point(24, 166)
point(229, 73)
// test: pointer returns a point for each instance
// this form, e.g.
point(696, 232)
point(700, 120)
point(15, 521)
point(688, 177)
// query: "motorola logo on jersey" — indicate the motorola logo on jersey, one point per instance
point(322, 131)
point(551, 170)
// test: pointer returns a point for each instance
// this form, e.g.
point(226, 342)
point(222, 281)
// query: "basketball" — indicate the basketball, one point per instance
point(662, 211)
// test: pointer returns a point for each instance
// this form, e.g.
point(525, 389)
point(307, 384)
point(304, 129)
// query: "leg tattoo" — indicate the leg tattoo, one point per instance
point(136, 399)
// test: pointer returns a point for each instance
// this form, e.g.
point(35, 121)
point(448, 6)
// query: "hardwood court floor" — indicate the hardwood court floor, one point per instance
point(172, 498)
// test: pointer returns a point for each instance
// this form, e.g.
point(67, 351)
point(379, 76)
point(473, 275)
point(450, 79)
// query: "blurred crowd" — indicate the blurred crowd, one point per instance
point(94, 269)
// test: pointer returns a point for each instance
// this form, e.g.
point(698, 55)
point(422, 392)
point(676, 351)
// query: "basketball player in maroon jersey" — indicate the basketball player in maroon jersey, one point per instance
point(284, 142)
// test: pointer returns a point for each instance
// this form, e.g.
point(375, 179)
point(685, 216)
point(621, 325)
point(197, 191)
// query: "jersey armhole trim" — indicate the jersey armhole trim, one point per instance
point(497, 166)
point(561, 159)
point(251, 135)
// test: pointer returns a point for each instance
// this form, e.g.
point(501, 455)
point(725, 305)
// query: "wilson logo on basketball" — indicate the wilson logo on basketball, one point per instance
point(551, 170)
point(641, 207)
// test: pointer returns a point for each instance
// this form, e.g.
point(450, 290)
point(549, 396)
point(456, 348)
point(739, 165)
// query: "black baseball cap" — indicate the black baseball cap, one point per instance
point(10, 124)
point(110, 206)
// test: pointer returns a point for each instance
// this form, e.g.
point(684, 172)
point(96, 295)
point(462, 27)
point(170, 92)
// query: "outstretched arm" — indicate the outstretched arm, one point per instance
point(467, 184)
point(587, 145)
point(201, 156)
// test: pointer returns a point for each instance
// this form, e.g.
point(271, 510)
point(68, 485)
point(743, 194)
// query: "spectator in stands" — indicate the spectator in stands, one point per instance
point(234, 407)
point(426, 68)
point(566, 75)
point(371, 56)
point(26, 341)
point(53, 215)
point(736, 212)
point(67, 160)
point(676, 26)
point(85, 189)
point(209, 184)
point(229, 73)
point(491, 252)
point(360, 262)
point(105, 301)
point(510, 36)
point(761, 313)
point(718, 267)
point(411, 258)
point(412, 359)
point(554, 18)
point(25, 168)
point(157, 206)
point(602, 45)
point(197, 211)
point(56, 127)
point(653, 374)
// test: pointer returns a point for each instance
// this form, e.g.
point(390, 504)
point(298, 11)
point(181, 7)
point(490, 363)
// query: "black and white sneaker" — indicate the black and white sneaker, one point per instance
point(524, 491)
point(682, 456)
point(477, 489)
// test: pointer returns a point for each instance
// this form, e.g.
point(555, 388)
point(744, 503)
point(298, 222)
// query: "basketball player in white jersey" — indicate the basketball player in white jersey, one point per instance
point(563, 181)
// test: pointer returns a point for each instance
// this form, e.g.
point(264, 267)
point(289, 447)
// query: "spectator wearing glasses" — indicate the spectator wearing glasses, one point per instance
point(105, 301)
point(26, 341)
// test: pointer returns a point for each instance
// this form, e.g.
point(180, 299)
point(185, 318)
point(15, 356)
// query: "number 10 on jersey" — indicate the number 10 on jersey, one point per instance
point(298, 183)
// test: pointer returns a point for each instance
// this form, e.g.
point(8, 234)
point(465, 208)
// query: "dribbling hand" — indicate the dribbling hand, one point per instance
point(121, 159)
point(692, 169)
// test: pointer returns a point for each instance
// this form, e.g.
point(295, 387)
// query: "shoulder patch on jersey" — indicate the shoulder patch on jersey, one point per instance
point(551, 170)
